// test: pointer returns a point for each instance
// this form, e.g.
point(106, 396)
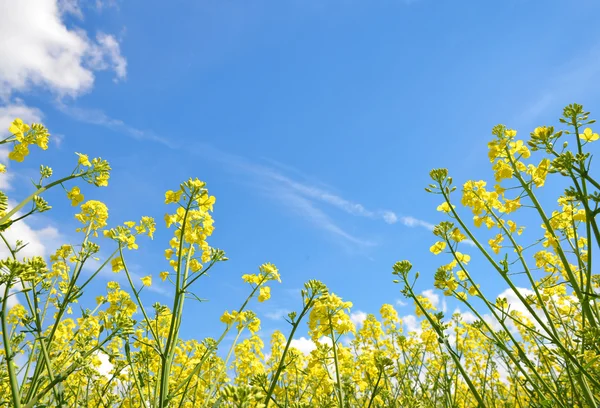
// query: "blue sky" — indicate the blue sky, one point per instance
point(315, 123)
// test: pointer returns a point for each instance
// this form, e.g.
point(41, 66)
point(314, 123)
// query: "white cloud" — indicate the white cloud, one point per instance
point(358, 318)
point(105, 4)
point(389, 217)
point(306, 345)
point(401, 303)
point(574, 78)
point(105, 365)
point(316, 216)
point(318, 194)
point(99, 118)
point(414, 222)
point(433, 297)
point(106, 55)
point(277, 314)
point(38, 49)
point(306, 198)
point(39, 241)
point(17, 109)
point(70, 7)
point(303, 344)
point(411, 323)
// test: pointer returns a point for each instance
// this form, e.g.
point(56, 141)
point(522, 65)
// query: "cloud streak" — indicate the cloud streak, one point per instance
point(99, 118)
point(307, 198)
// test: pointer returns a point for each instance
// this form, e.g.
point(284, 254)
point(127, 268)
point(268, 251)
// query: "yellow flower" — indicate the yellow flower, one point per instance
point(83, 160)
point(265, 294)
point(117, 264)
point(520, 149)
point(93, 212)
point(18, 128)
point(271, 271)
point(195, 266)
point(163, 275)
point(496, 243)
point(251, 278)
point(2, 168)
point(457, 236)
point(464, 258)
point(588, 136)
point(102, 179)
point(75, 196)
point(438, 247)
point(254, 325)
point(229, 318)
point(19, 152)
point(172, 196)
point(444, 207)
point(146, 280)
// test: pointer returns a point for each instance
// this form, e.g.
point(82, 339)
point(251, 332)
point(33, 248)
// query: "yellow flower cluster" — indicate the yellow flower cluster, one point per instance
point(538, 344)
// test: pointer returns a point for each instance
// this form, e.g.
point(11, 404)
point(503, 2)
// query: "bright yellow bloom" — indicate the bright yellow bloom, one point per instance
point(464, 258)
point(265, 294)
point(457, 236)
point(163, 275)
point(83, 160)
point(146, 280)
point(172, 196)
point(588, 135)
point(18, 128)
point(444, 207)
point(95, 213)
point(75, 196)
point(19, 152)
point(438, 247)
point(496, 243)
point(117, 264)
point(229, 318)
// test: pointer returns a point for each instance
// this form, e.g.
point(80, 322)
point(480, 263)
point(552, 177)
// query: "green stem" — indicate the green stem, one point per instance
point(285, 351)
point(337, 368)
point(10, 366)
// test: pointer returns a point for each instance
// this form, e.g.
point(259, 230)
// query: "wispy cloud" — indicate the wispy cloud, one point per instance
point(574, 79)
point(415, 222)
point(277, 314)
point(99, 118)
point(308, 198)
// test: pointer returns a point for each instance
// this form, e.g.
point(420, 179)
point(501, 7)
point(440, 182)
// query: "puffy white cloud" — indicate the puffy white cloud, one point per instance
point(303, 344)
point(306, 345)
point(433, 297)
point(106, 55)
point(39, 241)
point(358, 318)
point(38, 49)
point(70, 7)
point(16, 109)
point(411, 323)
